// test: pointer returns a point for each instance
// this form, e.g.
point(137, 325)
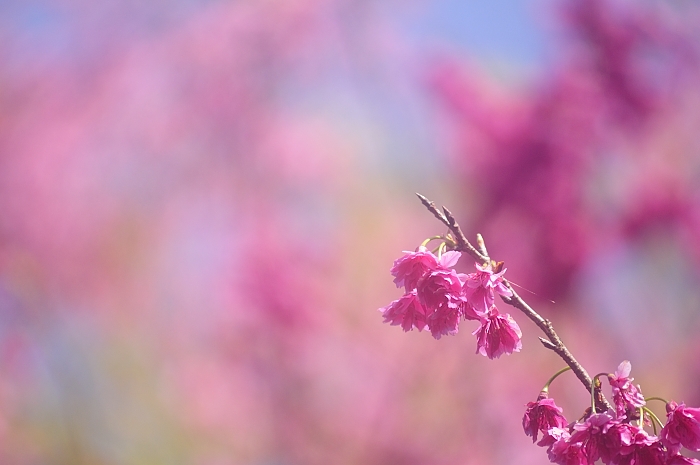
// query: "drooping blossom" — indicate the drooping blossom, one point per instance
point(591, 435)
point(626, 396)
point(480, 290)
point(561, 450)
point(444, 321)
point(440, 292)
point(410, 268)
point(619, 437)
point(542, 415)
point(625, 443)
point(646, 450)
point(682, 428)
point(498, 334)
point(406, 311)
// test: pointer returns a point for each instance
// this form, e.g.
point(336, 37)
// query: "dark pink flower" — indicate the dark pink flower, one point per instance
point(410, 268)
point(561, 450)
point(553, 435)
point(440, 292)
point(622, 439)
point(542, 415)
point(407, 312)
point(498, 334)
point(440, 287)
point(591, 435)
point(444, 321)
point(642, 453)
point(682, 428)
point(618, 439)
point(480, 290)
point(626, 396)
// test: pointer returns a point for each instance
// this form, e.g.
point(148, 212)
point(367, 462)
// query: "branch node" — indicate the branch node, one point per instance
point(548, 344)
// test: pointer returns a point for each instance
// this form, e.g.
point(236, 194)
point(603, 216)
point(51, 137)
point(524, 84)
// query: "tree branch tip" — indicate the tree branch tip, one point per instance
point(422, 198)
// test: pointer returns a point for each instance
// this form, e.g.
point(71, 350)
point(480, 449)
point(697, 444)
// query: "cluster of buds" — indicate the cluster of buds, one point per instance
point(437, 298)
point(616, 437)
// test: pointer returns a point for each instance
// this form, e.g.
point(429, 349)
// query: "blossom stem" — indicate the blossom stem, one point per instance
point(441, 249)
point(554, 376)
point(654, 419)
point(425, 242)
point(656, 398)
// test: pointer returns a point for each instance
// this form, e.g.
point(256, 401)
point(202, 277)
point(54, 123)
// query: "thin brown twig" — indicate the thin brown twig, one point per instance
point(553, 341)
point(555, 344)
point(430, 205)
point(446, 217)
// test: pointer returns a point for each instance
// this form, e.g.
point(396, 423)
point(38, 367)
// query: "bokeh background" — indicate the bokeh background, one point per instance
point(200, 201)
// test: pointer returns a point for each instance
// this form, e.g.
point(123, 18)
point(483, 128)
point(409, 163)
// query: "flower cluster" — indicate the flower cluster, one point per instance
point(614, 437)
point(437, 298)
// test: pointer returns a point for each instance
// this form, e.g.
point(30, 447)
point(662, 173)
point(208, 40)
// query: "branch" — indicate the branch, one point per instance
point(553, 341)
point(446, 217)
point(555, 344)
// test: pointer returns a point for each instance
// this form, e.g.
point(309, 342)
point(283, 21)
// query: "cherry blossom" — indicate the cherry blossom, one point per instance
point(591, 434)
point(542, 415)
point(498, 334)
point(406, 311)
point(440, 292)
point(626, 396)
point(682, 428)
point(410, 268)
point(480, 290)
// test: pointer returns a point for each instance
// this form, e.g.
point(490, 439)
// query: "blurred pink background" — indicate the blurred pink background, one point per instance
point(200, 201)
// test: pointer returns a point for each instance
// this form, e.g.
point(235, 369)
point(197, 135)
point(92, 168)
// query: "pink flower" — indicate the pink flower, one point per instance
point(617, 438)
point(561, 450)
point(410, 268)
point(591, 435)
point(407, 312)
point(626, 396)
point(440, 287)
point(440, 292)
point(480, 290)
point(449, 259)
point(623, 440)
point(542, 415)
point(498, 334)
point(444, 321)
point(682, 428)
point(643, 453)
